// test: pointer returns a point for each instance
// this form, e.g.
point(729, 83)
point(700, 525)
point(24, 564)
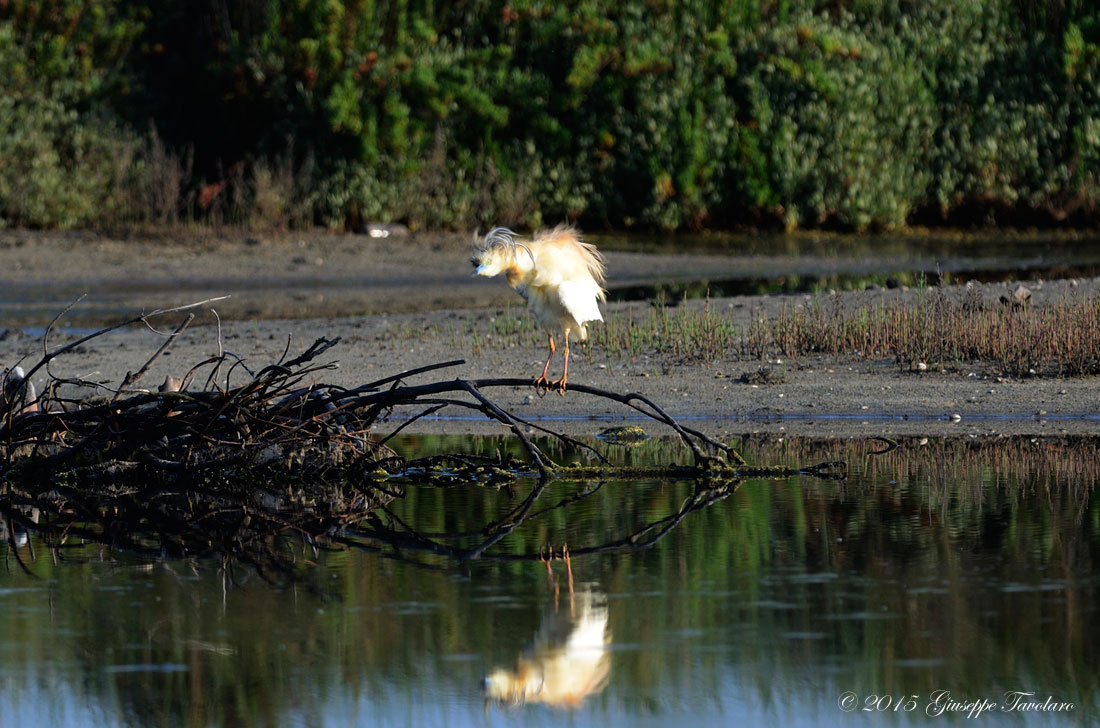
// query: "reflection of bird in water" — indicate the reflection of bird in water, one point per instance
point(567, 661)
point(559, 276)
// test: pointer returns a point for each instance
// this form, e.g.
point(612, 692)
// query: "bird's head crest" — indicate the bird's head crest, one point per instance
point(500, 243)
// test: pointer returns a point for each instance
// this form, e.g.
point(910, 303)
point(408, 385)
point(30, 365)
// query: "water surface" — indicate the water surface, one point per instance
point(942, 566)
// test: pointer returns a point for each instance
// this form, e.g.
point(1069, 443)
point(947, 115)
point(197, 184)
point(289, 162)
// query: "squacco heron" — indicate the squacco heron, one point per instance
point(559, 276)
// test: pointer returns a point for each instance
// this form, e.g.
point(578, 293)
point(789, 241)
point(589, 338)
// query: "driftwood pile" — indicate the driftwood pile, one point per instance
point(199, 467)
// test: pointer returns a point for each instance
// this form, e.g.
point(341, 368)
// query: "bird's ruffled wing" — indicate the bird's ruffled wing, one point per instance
point(579, 299)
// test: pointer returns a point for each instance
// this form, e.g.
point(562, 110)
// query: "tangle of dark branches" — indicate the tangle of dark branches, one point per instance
point(226, 459)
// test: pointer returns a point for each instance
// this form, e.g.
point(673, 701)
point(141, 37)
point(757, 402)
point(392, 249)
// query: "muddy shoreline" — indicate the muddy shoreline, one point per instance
point(424, 306)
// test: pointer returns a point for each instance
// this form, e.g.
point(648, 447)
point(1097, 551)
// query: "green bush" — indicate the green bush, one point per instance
point(59, 166)
point(834, 124)
point(1001, 114)
point(65, 156)
point(1082, 73)
point(622, 113)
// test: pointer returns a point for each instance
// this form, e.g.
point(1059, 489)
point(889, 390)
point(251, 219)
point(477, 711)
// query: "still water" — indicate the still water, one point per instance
point(937, 576)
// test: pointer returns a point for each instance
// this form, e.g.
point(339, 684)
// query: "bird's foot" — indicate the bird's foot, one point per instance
point(548, 559)
point(558, 386)
point(542, 385)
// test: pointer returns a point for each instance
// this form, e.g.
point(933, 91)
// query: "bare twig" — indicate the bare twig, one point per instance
point(131, 378)
point(48, 356)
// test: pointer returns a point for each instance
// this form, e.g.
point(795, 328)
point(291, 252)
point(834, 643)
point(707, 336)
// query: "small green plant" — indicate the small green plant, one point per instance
point(515, 322)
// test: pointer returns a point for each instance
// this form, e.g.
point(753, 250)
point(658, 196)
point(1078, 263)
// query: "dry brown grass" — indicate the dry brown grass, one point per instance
point(280, 192)
point(158, 189)
point(1062, 338)
point(939, 330)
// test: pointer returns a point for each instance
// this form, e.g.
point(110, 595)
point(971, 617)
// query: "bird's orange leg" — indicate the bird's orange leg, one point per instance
point(541, 382)
point(560, 384)
point(569, 571)
point(546, 560)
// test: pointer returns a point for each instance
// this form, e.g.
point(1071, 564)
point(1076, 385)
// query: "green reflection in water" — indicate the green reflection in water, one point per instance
point(938, 566)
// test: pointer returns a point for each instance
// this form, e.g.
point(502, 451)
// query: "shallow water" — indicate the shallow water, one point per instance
point(941, 566)
point(713, 264)
point(813, 263)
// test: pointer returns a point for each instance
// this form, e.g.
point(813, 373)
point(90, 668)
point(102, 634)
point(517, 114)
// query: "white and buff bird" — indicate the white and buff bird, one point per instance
point(559, 276)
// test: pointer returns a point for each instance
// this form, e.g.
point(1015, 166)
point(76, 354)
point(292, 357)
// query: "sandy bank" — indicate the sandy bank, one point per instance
point(429, 306)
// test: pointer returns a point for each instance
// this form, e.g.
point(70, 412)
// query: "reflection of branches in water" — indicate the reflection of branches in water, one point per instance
point(257, 524)
point(251, 522)
point(388, 529)
point(405, 539)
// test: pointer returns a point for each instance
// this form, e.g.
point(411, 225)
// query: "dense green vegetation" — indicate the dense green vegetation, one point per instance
point(854, 114)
